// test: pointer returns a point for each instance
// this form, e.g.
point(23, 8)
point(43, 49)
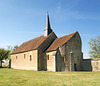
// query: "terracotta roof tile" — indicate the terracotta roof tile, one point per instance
point(60, 41)
point(30, 45)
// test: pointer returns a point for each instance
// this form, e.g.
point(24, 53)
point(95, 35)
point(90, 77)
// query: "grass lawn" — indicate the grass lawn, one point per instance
point(14, 77)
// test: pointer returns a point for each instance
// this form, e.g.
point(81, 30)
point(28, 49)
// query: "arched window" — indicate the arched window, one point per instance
point(16, 57)
point(47, 57)
point(30, 58)
point(24, 56)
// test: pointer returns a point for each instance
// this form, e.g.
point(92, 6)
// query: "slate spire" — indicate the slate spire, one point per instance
point(48, 29)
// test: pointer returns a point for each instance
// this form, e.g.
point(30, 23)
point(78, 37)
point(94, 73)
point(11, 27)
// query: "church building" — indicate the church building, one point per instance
point(49, 53)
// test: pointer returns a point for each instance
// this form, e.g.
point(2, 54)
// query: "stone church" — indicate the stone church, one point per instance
point(49, 53)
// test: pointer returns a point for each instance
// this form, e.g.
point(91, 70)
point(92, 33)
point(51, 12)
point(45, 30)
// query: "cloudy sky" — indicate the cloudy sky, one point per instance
point(22, 20)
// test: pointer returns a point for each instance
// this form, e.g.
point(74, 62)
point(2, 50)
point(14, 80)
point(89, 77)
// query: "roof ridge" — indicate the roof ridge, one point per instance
point(33, 38)
point(31, 44)
point(60, 41)
point(68, 34)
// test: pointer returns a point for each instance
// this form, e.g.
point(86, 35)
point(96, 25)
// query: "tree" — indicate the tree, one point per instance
point(15, 47)
point(4, 54)
point(11, 49)
point(94, 48)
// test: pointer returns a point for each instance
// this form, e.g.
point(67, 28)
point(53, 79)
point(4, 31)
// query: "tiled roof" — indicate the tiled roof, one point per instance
point(31, 44)
point(60, 41)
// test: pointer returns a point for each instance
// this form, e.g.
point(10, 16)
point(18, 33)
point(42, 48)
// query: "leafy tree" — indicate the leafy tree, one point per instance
point(4, 54)
point(15, 47)
point(11, 49)
point(94, 48)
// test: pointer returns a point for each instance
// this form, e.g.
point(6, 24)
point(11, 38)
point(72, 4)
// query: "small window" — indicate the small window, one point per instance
point(24, 56)
point(30, 58)
point(47, 57)
point(16, 57)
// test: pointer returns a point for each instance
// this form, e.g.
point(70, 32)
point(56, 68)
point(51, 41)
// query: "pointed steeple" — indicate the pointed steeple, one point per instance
point(48, 29)
point(48, 22)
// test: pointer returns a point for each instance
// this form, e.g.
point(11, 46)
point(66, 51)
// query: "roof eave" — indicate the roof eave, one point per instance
point(50, 50)
point(23, 51)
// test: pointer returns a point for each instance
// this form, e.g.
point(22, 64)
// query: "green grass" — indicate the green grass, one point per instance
point(14, 77)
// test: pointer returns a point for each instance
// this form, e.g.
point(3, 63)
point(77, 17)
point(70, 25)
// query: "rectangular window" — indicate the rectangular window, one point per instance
point(30, 58)
point(24, 56)
point(47, 57)
point(16, 57)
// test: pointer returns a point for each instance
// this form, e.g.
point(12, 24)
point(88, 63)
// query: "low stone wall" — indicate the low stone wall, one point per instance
point(95, 64)
point(91, 65)
point(5, 64)
point(86, 65)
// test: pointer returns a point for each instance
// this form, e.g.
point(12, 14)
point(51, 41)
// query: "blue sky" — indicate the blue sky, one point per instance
point(22, 20)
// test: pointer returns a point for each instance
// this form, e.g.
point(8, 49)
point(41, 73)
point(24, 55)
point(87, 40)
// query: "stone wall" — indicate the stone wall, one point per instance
point(86, 65)
point(51, 61)
point(42, 60)
point(19, 61)
point(59, 62)
point(55, 61)
point(38, 62)
point(95, 64)
point(91, 65)
point(72, 46)
point(5, 64)
point(68, 57)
